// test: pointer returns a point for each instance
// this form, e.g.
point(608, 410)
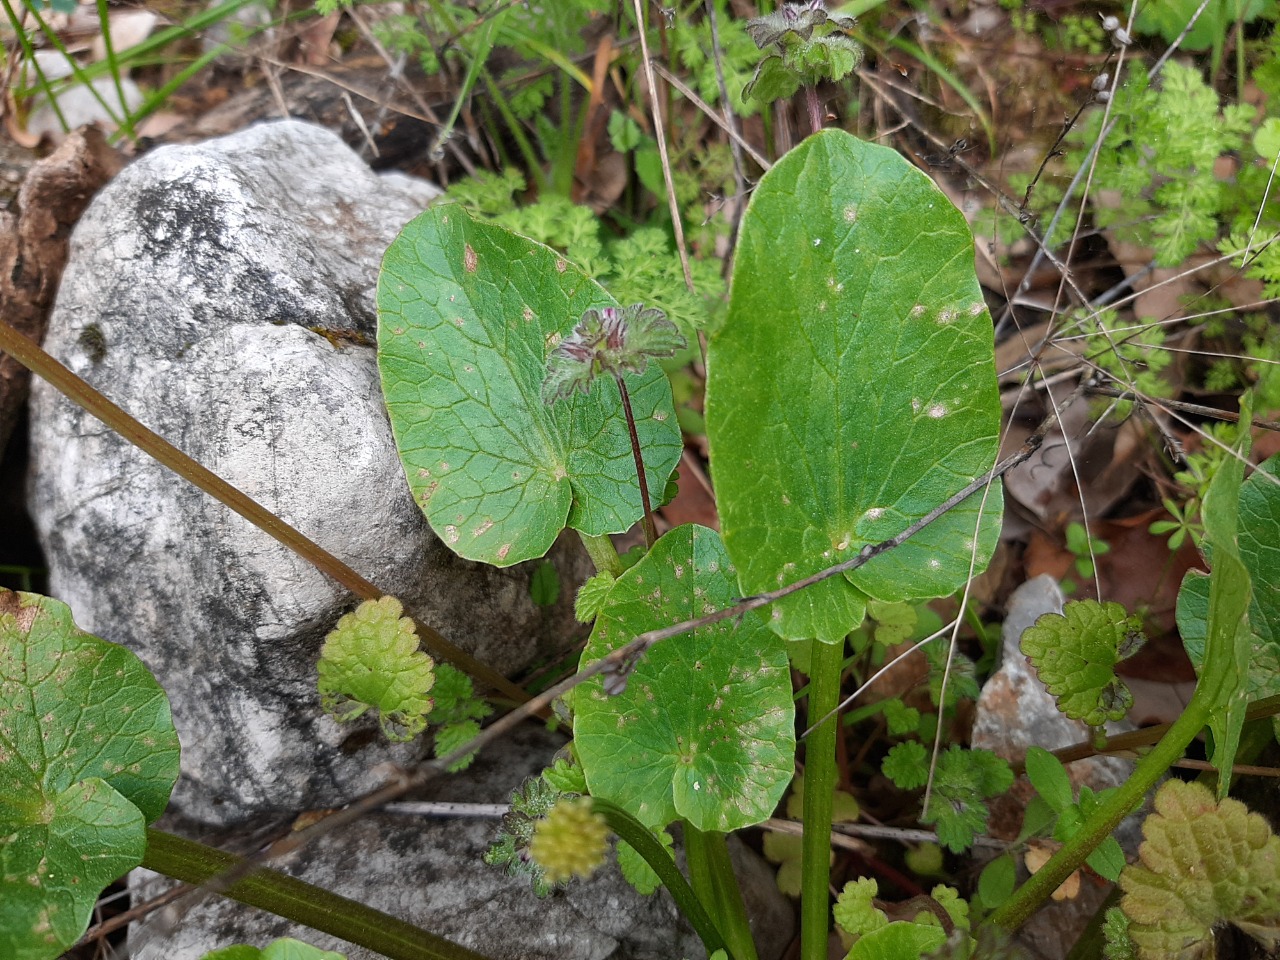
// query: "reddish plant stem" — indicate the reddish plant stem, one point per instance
point(815, 107)
point(650, 530)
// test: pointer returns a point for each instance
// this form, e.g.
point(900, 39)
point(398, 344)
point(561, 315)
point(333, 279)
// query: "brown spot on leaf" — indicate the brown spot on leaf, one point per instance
point(469, 260)
point(23, 613)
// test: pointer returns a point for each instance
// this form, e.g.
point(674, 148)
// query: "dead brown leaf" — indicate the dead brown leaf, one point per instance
point(33, 246)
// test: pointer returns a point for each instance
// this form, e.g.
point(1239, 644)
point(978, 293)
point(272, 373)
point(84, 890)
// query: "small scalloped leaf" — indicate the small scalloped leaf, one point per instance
point(566, 776)
point(1075, 654)
point(636, 870)
point(286, 948)
point(855, 911)
point(371, 660)
point(592, 596)
point(1202, 863)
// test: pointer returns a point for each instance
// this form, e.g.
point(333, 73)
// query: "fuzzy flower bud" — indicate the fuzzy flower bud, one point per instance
point(570, 841)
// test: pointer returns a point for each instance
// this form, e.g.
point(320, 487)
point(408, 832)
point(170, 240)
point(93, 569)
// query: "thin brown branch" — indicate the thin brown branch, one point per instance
point(28, 353)
point(1196, 409)
point(663, 152)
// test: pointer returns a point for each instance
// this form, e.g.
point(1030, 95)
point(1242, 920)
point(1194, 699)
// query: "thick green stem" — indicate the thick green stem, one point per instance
point(602, 554)
point(819, 793)
point(1107, 817)
point(631, 830)
point(716, 884)
point(195, 863)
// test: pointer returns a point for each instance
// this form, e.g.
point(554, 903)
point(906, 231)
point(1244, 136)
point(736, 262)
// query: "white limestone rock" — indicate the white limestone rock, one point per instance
point(197, 282)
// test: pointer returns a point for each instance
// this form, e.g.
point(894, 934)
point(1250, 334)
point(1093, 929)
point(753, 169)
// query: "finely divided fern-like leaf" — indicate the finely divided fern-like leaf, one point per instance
point(530, 802)
point(371, 660)
point(1075, 654)
point(1203, 863)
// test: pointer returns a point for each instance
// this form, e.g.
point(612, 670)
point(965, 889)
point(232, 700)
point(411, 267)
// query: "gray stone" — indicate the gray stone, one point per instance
point(1015, 712)
point(429, 872)
point(223, 294)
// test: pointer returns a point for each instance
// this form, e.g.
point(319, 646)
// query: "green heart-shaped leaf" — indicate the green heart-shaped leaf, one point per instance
point(852, 387)
point(705, 727)
point(88, 756)
point(467, 315)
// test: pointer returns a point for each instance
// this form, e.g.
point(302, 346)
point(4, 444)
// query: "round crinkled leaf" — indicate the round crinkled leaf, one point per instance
point(705, 727)
point(1202, 863)
point(1075, 655)
point(467, 315)
point(851, 389)
point(370, 659)
point(88, 756)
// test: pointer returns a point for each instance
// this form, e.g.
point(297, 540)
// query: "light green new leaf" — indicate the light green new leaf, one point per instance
point(370, 659)
point(899, 940)
point(88, 756)
point(705, 728)
point(467, 315)
point(286, 948)
point(852, 387)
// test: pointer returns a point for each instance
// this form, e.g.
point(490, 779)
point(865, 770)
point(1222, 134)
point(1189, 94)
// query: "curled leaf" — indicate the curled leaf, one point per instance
point(371, 660)
point(1075, 654)
point(855, 910)
point(1202, 863)
point(609, 340)
point(794, 21)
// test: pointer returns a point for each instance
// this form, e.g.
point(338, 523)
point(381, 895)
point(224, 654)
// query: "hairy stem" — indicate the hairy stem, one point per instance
point(602, 554)
point(815, 107)
point(717, 887)
point(293, 899)
point(650, 531)
point(819, 793)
